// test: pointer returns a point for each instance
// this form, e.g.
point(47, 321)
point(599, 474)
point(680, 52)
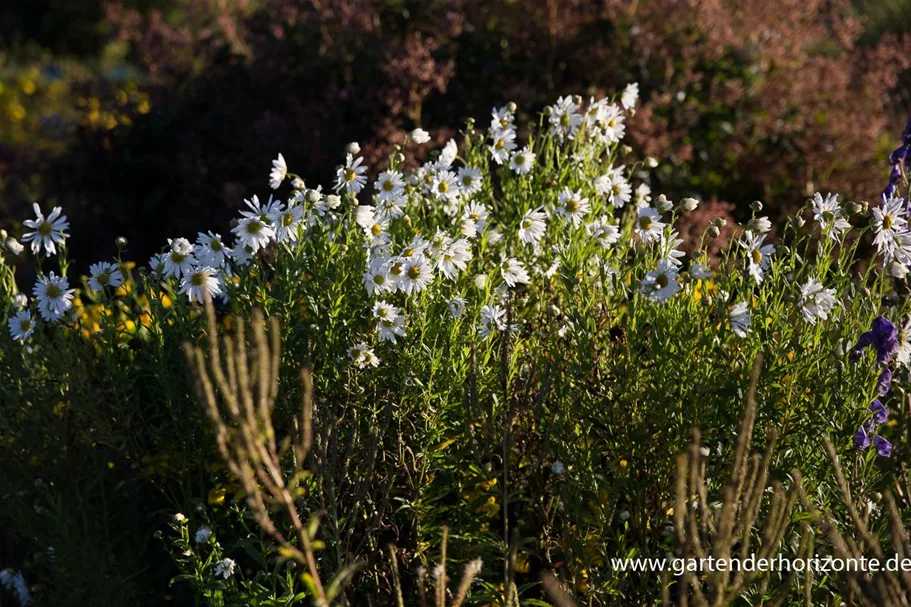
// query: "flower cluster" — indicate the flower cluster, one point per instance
point(883, 338)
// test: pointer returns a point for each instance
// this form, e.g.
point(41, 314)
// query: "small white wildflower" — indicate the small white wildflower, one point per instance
point(225, 568)
point(202, 535)
point(21, 325)
point(513, 272)
point(47, 232)
point(278, 173)
point(740, 319)
point(363, 356)
point(827, 211)
point(816, 302)
point(419, 136)
point(104, 274)
point(352, 176)
point(457, 306)
point(533, 226)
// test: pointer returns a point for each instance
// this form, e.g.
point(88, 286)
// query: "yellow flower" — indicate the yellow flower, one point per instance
point(217, 496)
point(29, 87)
point(522, 564)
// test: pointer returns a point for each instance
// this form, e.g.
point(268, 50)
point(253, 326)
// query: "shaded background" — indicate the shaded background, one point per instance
point(154, 118)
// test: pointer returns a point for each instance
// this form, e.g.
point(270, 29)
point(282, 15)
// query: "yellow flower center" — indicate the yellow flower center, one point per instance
point(45, 228)
point(350, 175)
point(645, 222)
point(887, 222)
point(53, 291)
point(443, 187)
point(388, 185)
point(500, 144)
point(757, 255)
point(414, 272)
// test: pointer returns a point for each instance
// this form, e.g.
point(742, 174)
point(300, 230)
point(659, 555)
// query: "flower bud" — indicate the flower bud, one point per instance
point(651, 162)
point(14, 246)
point(120, 242)
point(664, 204)
point(719, 222)
point(689, 204)
point(548, 111)
point(480, 281)
point(714, 232)
point(419, 136)
point(298, 184)
point(854, 208)
point(3, 234)
point(756, 205)
point(353, 148)
point(626, 150)
point(511, 107)
point(20, 300)
point(760, 224)
point(577, 99)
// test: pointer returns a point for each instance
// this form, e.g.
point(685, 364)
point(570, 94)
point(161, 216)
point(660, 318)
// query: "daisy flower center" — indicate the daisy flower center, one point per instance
point(25, 325)
point(572, 205)
point(408, 252)
point(828, 216)
point(350, 175)
point(443, 187)
point(757, 255)
point(387, 186)
point(414, 272)
point(645, 222)
point(198, 279)
point(662, 280)
point(254, 227)
point(396, 269)
point(504, 122)
point(215, 245)
point(526, 224)
point(520, 159)
point(379, 279)
point(288, 219)
point(500, 144)
point(45, 228)
point(611, 123)
point(103, 278)
point(53, 291)
point(467, 180)
point(376, 230)
point(887, 222)
point(564, 120)
point(177, 257)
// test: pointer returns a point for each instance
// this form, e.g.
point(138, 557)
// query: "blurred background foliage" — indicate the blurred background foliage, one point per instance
point(152, 118)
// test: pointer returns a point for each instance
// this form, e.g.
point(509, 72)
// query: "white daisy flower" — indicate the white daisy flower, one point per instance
point(504, 142)
point(700, 271)
point(254, 232)
point(603, 231)
point(279, 172)
point(454, 258)
point(572, 206)
point(501, 119)
point(670, 249)
point(364, 216)
point(474, 219)
point(889, 220)
point(241, 253)
point(390, 321)
point(20, 300)
point(903, 353)
point(387, 210)
point(157, 265)
point(643, 194)
point(389, 186)
point(286, 222)
point(416, 274)
point(47, 232)
point(610, 122)
point(533, 226)
point(179, 259)
point(457, 306)
point(649, 227)
point(492, 317)
point(816, 302)
point(827, 212)
point(469, 180)
point(363, 356)
point(740, 319)
point(210, 250)
point(761, 224)
point(759, 256)
point(445, 185)
point(661, 283)
point(513, 272)
point(225, 568)
point(104, 274)
point(21, 325)
point(54, 295)
point(565, 118)
point(630, 96)
point(448, 155)
point(419, 136)
point(522, 161)
point(376, 278)
point(352, 177)
point(200, 281)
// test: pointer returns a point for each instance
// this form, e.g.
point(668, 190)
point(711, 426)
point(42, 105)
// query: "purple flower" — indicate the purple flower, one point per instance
point(882, 335)
point(883, 447)
point(880, 414)
point(896, 158)
point(884, 382)
point(861, 439)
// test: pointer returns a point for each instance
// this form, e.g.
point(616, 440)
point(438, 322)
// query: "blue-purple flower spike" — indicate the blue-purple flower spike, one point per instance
point(880, 413)
point(884, 383)
point(883, 336)
point(861, 439)
point(883, 447)
point(898, 156)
